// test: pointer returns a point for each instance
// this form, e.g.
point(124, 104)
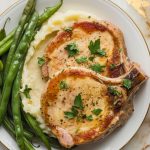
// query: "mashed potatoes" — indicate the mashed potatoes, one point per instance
point(32, 71)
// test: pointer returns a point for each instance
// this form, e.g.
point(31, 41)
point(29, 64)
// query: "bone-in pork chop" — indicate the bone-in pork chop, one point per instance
point(87, 44)
point(80, 106)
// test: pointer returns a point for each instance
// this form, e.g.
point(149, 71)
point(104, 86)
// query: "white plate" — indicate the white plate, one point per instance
point(137, 50)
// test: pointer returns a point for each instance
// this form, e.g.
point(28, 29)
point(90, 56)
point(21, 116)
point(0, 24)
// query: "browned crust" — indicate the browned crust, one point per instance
point(90, 27)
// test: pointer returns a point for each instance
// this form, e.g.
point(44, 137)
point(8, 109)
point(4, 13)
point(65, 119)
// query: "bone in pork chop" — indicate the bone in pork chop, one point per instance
point(85, 44)
point(80, 106)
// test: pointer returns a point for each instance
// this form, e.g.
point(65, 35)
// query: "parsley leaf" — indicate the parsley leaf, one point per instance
point(112, 66)
point(96, 111)
point(26, 91)
point(63, 85)
point(41, 61)
point(68, 29)
point(82, 59)
point(72, 49)
point(91, 58)
point(69, 115)
point(127, 83)
point(113, 91)
point(78, 102)
point(101, 52)
point(95, 48)
point(120, 49)
point(74, 110)
point(89, 118)
point(97, 68)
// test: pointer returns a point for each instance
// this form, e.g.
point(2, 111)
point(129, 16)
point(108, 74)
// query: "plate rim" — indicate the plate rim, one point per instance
point(15, 4)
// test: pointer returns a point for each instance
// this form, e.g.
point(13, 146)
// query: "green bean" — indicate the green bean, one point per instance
point(7, 38)
point(5, 47)
point(2, 31)
point(28, 145)
point(17, 59)
point(18, 34)
point(16, 110)
point(1, 65)
point(9, 127)
point(48, 13)
point(38, 131)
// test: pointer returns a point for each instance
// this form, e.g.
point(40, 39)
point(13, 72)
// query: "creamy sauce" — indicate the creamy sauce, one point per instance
point(32, 71)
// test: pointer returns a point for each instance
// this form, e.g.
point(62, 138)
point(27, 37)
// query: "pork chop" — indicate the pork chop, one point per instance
point(80, 106)
point(86, 44)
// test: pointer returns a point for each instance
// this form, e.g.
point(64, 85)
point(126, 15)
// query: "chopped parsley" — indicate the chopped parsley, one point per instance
point(82, 59)
point(127, 83)
point(97, 68)
point(96, 111)
point(101, 52)
point(72, 49)
point(112, 66)
point(78, 102)
point(113, 90)
point(78, 105)
point(41, 61)
point(91, 58)
point(69, 115)
point(63, 85)
point(120, 49)
point(26, 91)
point(89, 118)
point(95, 48)
point(68, 29)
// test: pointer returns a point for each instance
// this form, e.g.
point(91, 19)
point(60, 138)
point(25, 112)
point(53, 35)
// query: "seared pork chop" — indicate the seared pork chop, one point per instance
point(86, 44)
point(80, 106)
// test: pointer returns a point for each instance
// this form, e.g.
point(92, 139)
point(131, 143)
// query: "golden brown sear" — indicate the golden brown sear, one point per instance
point(84, 45)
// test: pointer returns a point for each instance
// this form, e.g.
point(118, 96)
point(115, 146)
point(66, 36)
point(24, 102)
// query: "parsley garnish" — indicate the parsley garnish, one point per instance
point(91, 58)
point(78, 105)
point(26, 91)
point(120, 49)
point(112, 66)
point(72, 49)
point(95, 48)
point(113, 91)
point(78, 102)
point(68, 29)
point(63, 85)
point(89, 118)
point(41, 61)
point(97, 68)
point(127, 83)
point(101, 52)
point(96, 111)
point(82, 59)
point(69, 115)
